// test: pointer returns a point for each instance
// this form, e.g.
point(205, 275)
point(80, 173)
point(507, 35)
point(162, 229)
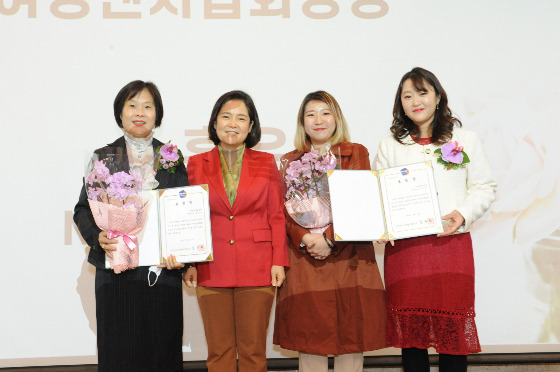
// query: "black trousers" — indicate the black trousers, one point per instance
point(416, 360)
point(139, 328)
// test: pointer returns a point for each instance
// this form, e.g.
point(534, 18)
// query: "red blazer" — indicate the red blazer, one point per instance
point(249, 237)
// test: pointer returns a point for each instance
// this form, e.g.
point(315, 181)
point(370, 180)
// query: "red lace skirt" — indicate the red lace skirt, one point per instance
point(430, 294)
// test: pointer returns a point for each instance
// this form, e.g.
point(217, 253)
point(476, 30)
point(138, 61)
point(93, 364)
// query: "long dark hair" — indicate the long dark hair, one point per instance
point(444, 121)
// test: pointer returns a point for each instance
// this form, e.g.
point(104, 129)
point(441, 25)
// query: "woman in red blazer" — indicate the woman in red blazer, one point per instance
point(235, 291)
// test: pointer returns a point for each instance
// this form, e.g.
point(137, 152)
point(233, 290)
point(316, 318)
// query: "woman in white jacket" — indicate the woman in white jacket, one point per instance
point(430, 280)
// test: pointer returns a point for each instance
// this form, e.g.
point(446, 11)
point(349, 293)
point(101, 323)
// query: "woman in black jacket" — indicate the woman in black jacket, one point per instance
point(139, 327)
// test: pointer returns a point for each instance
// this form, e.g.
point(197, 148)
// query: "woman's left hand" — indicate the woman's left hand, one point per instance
point(190, 277)
point(278, 275)
point(385, 241)
point(171, 263)
point(455, 220)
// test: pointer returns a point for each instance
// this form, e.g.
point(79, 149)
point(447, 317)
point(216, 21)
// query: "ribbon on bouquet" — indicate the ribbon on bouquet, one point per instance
point(130, 240)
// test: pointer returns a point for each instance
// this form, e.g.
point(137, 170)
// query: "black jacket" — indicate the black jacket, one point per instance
point(82, 213)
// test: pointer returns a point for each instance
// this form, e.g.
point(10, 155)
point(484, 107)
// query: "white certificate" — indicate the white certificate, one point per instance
point(356, 205)
point(392, 203)
point(177, 223)
point(184, 222)
point(410, 199)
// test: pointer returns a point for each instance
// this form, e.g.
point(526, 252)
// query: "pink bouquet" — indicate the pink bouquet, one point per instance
point(118, 209)
point(307, 197)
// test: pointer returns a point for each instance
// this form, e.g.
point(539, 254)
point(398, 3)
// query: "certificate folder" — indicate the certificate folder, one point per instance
point(393, 203)
point(178, 223)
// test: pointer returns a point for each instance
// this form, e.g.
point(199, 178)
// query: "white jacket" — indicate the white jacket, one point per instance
point(469, 190)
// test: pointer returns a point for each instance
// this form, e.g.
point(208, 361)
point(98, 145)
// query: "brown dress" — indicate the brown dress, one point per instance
point(335, 306)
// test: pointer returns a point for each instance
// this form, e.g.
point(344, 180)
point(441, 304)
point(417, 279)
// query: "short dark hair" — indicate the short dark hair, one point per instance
point(444, 121)
point(255, 135)
point(129, 91)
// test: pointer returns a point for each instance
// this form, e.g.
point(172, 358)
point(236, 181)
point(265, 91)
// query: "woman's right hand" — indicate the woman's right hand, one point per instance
point(190, 277)
point(316, 245)
point(107, 244)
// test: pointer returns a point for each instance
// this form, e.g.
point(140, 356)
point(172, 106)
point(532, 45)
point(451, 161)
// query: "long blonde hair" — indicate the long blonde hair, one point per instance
point(341, 132)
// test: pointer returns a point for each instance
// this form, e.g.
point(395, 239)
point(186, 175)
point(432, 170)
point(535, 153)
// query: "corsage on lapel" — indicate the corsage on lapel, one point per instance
point(452, 156)
point(169, 156)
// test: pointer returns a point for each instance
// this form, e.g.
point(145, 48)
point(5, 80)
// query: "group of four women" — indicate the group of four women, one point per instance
point(330, 299)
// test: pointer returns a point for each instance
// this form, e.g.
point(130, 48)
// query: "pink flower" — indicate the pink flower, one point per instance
point(101, 170)
point(98, 174)
point(304, 177)
point(309, 157)
point(452, 152)
point(110, 188)
point(169, 152)
point(94, 192)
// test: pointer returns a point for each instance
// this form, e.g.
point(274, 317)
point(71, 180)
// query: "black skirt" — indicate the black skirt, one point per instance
point(139, 328)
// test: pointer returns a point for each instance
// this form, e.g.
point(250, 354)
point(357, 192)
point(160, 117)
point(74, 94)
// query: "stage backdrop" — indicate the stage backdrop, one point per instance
point(62, 63)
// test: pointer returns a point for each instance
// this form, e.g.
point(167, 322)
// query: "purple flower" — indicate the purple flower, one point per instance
point(304, 177)
point(91, 178)
point(165, 166)
point(122, 185)
point(309, 157)
point(169, 152)
point(98, 174)
point(306, 172)
point(110, 187)
point(94, 192)
point(101, 170)
point(452, 152)
point(294, 169)
point(137, 181)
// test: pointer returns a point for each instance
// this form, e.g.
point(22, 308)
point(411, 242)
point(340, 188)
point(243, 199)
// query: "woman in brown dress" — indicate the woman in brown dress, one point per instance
point(333, 300)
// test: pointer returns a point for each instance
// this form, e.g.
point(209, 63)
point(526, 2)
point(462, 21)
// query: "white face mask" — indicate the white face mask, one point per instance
point(156, 270)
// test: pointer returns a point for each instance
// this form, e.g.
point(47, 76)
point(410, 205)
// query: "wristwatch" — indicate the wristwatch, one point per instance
point(302, 248)
point(332, 245)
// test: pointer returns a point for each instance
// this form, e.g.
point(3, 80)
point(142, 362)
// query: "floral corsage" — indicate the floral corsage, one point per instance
point(452, 156)
point(169, 156)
